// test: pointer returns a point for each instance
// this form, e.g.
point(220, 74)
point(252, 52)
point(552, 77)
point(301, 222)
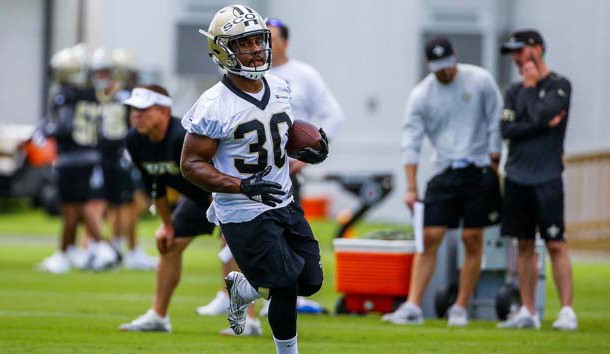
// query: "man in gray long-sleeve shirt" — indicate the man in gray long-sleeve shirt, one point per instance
point(458, 107)
point(534, 124)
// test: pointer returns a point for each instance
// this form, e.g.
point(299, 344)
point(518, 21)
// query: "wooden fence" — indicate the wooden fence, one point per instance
point(587, 195)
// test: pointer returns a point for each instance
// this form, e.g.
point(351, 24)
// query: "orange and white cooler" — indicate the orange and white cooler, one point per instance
point(373, 275)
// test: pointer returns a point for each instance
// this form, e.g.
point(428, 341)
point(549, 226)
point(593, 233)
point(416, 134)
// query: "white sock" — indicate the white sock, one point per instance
point(247, 291)
point(413, 306)
point(118, 242)
point(286, 346)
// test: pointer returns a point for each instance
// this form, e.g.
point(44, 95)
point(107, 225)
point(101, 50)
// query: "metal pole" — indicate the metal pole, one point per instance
point(81, 21)
point(47, 37)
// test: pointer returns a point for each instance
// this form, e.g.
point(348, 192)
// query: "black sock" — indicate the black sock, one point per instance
point(283, 312)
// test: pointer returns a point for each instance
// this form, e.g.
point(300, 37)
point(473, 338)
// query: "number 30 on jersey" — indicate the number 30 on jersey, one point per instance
point(258, 147)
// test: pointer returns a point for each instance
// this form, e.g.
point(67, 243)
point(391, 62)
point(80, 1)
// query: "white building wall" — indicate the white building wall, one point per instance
point(577, 36)
point(365, 52)
point(21, 30)
point(369, 53)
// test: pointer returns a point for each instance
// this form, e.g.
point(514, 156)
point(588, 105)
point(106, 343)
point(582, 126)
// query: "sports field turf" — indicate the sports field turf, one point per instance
point(79, 312)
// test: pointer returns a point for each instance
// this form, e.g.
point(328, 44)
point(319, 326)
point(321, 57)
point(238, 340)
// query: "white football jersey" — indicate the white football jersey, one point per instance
point(311, 100)
point(252, 134)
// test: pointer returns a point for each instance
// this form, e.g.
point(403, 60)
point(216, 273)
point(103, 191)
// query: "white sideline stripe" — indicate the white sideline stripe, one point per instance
point(59, 314)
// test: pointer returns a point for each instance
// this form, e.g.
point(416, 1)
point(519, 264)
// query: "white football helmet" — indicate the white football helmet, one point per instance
point(68, 67)
point(101, 59)
point(230, 24)
point(124, 65)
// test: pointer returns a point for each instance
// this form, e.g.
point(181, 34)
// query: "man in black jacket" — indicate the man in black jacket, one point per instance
point(534, 124)
point(155, 145)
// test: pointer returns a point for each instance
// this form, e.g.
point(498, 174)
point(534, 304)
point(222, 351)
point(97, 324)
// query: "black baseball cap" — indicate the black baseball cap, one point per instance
point(440, 54)
point(520, 39)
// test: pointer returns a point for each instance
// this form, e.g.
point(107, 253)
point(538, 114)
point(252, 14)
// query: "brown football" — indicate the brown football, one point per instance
point(302, 134)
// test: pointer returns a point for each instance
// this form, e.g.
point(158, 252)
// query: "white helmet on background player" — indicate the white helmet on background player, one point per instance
point(230, 24)
point(124, 66)
point(102, 66)
point(69, 67)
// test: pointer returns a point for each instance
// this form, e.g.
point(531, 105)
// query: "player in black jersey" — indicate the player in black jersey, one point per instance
point(155, 145)
point(534, 123)
point(109, 77)
point(74, 124)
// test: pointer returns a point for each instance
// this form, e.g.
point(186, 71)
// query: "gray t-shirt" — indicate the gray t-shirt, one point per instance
point(461, 119)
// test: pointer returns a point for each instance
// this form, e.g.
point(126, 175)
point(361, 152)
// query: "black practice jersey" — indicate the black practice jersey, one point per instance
point(73, 121)
point(160, 163)
point(535, 151)
point(113, 126)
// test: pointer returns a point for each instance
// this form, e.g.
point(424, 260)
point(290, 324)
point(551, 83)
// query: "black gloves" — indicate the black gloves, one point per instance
point(255, 188)
point(313, 156)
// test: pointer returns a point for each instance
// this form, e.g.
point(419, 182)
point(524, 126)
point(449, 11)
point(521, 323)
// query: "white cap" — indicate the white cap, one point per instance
point(443, 63)
point(142, 98)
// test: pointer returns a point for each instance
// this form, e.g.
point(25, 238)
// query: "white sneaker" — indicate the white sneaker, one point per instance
point(566, 320)
point(522, 319)
point(58, 263)
point(407, 313)
point(138, 259)
point(458, 317)
point(265, 309)
point(237, 304)
point(218, 306)
point(80, 258)
point(104, 256)
point(253, 328)
point(148, 322)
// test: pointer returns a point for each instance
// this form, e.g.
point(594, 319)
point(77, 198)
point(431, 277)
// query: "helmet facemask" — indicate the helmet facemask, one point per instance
point(248, 70)
point(230, 26)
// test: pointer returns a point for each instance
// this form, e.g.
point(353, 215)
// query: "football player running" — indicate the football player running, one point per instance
point(312, 101)
point(241, 125)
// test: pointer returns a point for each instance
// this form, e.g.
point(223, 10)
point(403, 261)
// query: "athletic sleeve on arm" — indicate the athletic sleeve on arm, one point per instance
point(511, 128)
point(202, 119)
point(412, 130)
point(556, 99)
point(493, 112)
point(324, 105)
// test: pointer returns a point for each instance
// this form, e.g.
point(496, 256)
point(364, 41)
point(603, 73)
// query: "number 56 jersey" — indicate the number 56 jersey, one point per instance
point(252, 133)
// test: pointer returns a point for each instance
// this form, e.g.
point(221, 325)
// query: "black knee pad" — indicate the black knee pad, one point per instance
point(309, 289)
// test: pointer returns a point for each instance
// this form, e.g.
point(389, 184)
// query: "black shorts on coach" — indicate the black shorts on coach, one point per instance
point(276, 249)
point(189, 219)
point(527, 207)
point(470, 194)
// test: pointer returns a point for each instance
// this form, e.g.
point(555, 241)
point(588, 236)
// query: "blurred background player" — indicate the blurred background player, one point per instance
point(534, 122)
point(312, 101)
point(457, 106)
point(74, 122)
point(155, 145)
point(110, 73)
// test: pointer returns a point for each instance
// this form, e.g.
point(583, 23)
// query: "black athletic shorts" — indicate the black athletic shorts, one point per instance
point(79, 184)
point(189, 219)
point(119, 186)
point(276, 249)
point(470, 194)
point(529, 207)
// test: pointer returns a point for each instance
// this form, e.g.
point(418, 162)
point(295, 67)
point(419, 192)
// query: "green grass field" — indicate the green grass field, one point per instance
point(79, 312)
